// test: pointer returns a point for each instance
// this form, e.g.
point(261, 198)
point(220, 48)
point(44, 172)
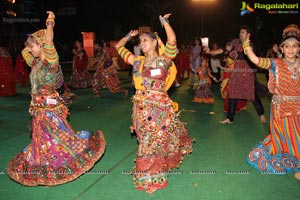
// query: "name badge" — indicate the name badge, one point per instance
point(51, 101)
point(155, 72)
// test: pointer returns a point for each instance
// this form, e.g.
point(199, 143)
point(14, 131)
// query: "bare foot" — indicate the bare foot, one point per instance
point(97, 95)
point(297, 175)
point(225, 121)
point(263, 119)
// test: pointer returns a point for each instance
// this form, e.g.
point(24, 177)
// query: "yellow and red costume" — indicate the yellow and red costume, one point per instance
point(163, 138)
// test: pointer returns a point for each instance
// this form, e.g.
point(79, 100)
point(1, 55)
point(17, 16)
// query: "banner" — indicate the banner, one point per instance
point(88, 43)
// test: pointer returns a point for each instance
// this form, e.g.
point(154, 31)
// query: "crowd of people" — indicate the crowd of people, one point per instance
point(57, 154)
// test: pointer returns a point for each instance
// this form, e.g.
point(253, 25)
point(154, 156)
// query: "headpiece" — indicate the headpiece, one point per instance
point(292, 32)
point(38, 36)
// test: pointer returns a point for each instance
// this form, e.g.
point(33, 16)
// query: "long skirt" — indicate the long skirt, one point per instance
point(57, 154)
point(111, 82)
point(162, 137)
point(279, 152)
point(203, 93)
point(81, 79)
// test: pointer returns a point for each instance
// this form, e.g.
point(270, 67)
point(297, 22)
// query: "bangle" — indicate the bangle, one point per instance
point(246, 45)
point(163, 21)
point(128, 36)
point(264, 62)
point(246, 48)
point(172, 41)
point(50, 22)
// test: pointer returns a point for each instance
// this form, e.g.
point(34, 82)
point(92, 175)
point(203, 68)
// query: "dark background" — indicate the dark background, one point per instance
point(220, 20)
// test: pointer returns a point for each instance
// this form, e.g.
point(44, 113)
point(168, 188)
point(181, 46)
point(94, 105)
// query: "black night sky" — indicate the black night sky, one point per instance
point(220, 20)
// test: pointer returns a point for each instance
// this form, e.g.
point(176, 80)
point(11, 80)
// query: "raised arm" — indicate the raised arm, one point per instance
point(126, 55)
point(49, 49)
point(249, 52)
point(49, 30)
point(264, 63)
point(169, 30)
point(171, 46)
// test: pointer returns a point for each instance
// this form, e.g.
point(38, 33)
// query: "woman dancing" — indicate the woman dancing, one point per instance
point(163, 138)
point(57, 154)
point(279, 152)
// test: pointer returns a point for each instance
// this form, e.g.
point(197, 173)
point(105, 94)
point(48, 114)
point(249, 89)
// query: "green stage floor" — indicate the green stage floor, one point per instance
point(216, 170)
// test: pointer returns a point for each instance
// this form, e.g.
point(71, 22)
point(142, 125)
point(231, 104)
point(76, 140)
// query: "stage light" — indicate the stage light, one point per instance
point(12, 1)
point(203, 1)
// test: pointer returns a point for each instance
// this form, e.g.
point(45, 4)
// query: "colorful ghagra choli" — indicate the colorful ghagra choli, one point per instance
point(106, 75)
point(57, 154)
point(81, 78)
point(279, 152)
point(203, 91)
point(163, 138)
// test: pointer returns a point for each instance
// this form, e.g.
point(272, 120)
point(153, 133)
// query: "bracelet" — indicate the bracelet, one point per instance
point(246, 48)
point(128, 36)
point(246, 45)
point(263, 63)
point(50, 23)
point(163, 21)
point(172, 42)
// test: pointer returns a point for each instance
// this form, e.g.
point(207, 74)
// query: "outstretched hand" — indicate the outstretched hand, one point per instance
point(165, 19)
point(133, 33)
point(166, 16)
point(50, 15)
point(50, 24)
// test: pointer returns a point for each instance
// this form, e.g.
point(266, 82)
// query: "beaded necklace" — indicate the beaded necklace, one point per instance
point(294, 68)
point(149, 61)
